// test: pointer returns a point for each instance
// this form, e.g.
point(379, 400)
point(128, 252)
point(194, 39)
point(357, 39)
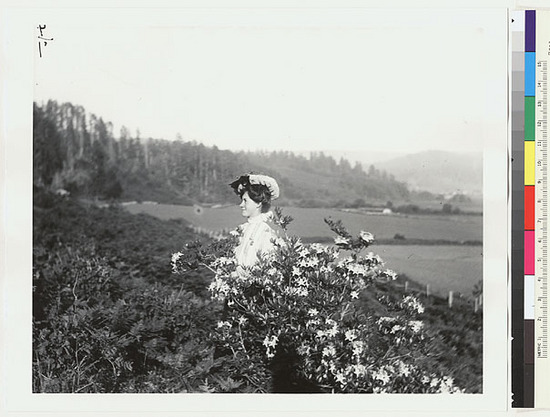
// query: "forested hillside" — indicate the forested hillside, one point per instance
point(78, 151)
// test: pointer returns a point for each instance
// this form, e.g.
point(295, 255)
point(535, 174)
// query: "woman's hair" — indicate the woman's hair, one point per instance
point(258, 193)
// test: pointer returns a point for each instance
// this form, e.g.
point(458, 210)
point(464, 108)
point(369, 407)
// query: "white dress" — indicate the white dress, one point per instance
point(256, 237)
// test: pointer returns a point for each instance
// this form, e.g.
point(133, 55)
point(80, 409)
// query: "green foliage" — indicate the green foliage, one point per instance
point(109, 315)
point(315, 316)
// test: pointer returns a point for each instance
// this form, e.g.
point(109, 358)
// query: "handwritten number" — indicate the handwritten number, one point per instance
point(42, 39)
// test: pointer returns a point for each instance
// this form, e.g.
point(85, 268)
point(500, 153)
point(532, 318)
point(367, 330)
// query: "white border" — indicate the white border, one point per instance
point(17, 93)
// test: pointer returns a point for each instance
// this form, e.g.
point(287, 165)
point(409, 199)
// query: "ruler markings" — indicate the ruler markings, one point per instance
point(542, 360)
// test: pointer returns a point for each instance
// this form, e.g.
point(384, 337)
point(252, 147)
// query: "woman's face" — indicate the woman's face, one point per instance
point(249, 207)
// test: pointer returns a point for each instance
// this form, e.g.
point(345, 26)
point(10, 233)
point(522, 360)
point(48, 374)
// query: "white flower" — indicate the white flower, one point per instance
point(302, 263)
point(270, 341)
point(413, 304)
point(317, 247)
point(351, 335)
point(340, 378)
point(382, 375)
point(302, 282)
point(302, 292)
point(396, 328)
point(312, 262)
point(279, 242)
point(358, 269)
point(326, 269)
point(370, 256)
point(312, 312)
point(416, 325)
point(366, 236)
point(310, 323)
point(359, 370)
point(219, 289)
point(225, 260)
point(296, 271)
point(329, 351)
point(332, 331)
point(390, 274)
point(404, 369)
point(339, 240)
point(375, 259)
point(242, 320)
point(447, 386)
point(272, 271)
point(176, 256)
point(344, 262)
point(222, 324)
point(354, 295)
point(385, 320)
point(358, 347)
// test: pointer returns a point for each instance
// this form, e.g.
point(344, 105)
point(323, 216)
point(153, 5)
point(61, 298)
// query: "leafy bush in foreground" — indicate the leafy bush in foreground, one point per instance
point(101, 335)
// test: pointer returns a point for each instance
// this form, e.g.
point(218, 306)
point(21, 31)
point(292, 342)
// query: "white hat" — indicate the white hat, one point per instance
point(269, 182)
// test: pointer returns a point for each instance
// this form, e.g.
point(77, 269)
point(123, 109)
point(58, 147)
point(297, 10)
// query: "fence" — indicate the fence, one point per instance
point(451, 295)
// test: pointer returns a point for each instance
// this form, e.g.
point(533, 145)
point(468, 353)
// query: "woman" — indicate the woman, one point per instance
point(257, 234)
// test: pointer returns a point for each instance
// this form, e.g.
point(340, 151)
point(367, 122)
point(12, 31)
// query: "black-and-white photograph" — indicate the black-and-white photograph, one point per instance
point(264, 201)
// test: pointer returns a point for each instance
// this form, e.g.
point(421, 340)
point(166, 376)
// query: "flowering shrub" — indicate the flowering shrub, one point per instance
point(108, 315)
point(301, 309)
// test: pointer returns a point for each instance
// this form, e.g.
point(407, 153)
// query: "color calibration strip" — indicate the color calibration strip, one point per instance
point(529, 212)
point(517, 183)
point(530, 39)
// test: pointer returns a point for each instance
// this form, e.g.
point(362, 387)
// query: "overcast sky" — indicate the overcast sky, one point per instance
point(403, 80)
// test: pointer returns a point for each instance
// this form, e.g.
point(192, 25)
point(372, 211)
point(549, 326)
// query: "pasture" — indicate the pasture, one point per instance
point(450, 267)
point(308, 222)
point(445, 268)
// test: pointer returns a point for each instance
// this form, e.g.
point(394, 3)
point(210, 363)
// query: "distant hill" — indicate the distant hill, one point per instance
point(78, 152)
point(438, 171)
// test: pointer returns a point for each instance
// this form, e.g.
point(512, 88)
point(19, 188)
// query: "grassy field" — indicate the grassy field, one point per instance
point(309, 222)
point(450, 267)
point(445, 268)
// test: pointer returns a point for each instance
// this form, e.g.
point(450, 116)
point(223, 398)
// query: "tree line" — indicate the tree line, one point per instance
point(78, 151)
